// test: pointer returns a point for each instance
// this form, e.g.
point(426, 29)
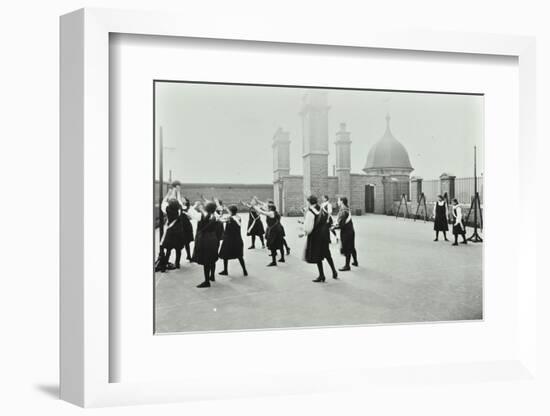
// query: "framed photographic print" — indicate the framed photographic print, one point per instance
point(244, 203)
point(285, 155)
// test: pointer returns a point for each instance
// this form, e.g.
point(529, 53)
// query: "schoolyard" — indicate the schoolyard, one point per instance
point(403, 276)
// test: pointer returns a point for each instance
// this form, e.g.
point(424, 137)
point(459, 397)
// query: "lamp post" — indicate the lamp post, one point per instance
point(476, 204)
point(162, 148)
point(161, 183)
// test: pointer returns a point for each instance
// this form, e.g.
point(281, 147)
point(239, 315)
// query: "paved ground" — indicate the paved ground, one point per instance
point(403, 276)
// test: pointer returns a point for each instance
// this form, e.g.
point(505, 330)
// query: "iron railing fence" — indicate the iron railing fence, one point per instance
point(431, 189)
point(465, 189)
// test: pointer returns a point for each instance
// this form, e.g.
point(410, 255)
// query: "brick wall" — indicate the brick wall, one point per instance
point(316, 179)
point(277, 193)
point(381, 193)
point(344, 182)
point(379, 207)
point(294, 198)
point(229, 193)
point(332, 191)
point(357, 196)
point(389, 196)
point(293, 195)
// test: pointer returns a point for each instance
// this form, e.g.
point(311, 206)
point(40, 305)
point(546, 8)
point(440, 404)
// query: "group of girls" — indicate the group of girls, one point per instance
point(441, 223)
point(274, 232)
point(211, 217)
point(178, 233)
point(318, 225)
point(218, 234)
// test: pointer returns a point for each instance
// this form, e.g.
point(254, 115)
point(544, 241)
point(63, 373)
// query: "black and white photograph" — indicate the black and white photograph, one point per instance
point(293, 207)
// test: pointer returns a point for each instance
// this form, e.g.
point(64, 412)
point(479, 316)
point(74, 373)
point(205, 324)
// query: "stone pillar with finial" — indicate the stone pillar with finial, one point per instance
point(447, 183)
point(281, 166)
point(281, 154)
point(314, 115)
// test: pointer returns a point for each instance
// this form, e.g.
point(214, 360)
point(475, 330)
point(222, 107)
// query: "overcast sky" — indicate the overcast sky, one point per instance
point(223, 133)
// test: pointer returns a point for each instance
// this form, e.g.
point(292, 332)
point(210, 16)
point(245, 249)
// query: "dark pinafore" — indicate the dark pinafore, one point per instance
point(274, 234)
point(255, 225)
point(347, 233)
point(232, 245)
point(440, 221)
point(317, 246)
point(174, 235)
point(207, 241)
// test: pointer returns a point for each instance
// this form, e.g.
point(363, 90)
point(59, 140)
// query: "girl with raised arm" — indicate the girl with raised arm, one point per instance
point(221, 210)
point(186, 224)
point(255, 227)
point(173, 238)
point(232, 245)
point(274, 233)
point(344, 223)
point(318, 239)
point(207, 242)
point(267, 206)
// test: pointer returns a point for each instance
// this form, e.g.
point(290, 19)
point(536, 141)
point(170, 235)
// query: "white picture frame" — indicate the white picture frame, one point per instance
point(84, 311)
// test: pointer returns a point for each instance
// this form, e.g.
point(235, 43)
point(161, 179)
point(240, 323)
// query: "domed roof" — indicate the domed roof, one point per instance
point(388, 152)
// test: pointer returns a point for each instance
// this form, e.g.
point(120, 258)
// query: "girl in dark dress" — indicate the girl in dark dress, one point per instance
point(274, 233)
point(255, 226)
point(285, 244)
point(440, 215)
point(458, 225)
point(318, 239)
point(207, 242)
point(347, 234)
point(232, 245)
point(220, 210)
point(173, 238)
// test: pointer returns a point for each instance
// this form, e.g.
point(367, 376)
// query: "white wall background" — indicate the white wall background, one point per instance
point(29, 173)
